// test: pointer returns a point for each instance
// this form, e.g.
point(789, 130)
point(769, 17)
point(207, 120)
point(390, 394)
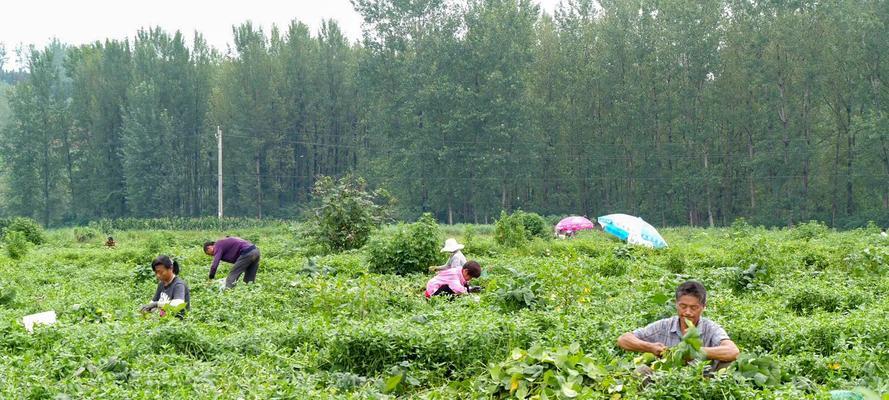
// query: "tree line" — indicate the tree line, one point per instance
point(682, 112)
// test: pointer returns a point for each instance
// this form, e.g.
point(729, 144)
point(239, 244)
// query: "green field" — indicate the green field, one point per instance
point(812, 299)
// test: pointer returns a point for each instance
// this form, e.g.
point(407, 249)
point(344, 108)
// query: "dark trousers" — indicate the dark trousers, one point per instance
point(247, 264)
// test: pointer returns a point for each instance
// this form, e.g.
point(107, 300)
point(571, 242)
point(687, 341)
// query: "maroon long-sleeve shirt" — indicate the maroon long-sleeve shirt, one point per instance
point(228, 250)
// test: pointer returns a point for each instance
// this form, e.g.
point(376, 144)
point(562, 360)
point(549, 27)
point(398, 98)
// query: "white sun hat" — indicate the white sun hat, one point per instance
point(451, 245)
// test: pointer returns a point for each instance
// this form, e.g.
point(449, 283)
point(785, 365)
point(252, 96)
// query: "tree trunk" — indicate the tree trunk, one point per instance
point(258, 187)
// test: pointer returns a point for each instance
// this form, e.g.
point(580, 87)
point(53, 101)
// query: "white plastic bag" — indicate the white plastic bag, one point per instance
point(45, 318)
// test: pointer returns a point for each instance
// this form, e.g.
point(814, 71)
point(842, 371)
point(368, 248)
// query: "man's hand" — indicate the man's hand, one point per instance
point(628, 341)
point(726, 351)
point(657, 349)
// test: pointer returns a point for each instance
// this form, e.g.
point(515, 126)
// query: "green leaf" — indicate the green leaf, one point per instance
point(760, 379)
point(392, 382)
point(568, 391)
point(660, 299)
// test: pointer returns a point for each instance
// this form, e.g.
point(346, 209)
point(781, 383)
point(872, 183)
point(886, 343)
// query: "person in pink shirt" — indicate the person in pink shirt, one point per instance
point(454, 281)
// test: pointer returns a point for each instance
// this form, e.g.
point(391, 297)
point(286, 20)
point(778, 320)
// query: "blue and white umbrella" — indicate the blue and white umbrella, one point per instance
point(633, 230)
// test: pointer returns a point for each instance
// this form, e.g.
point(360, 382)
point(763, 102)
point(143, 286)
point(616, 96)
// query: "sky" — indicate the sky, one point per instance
point(77, 22)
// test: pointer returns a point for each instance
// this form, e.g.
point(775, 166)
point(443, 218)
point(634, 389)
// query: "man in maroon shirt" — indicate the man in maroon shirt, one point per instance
point(243, 254)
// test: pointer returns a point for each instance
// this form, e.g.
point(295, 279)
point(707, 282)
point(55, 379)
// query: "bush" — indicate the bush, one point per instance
point(477, 245)
point(412, 249)
point(810, 230)
point(85, 234)
point(805, 300)
point(109, 226)
point(7, 294)
point(611, 266)
point(345, 213)
point(31, 230)
point(17, 245)
point(554, 373)
point(520, 227)
point(519, 290)
point(509, 231)
point(535, 225)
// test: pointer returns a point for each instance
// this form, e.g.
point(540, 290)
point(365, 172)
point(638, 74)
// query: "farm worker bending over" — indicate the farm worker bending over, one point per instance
point(171, 289)
point(243, 254)
point(691, 298)
point(457, 258)
point(453, 281)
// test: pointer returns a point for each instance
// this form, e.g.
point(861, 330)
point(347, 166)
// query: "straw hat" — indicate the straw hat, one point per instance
point(451, 245)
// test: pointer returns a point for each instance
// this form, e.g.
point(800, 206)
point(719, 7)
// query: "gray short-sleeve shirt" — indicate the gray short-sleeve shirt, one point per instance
point(667, 331)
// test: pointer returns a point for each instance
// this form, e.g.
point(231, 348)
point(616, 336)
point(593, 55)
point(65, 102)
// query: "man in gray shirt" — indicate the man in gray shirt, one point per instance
point(691, 299)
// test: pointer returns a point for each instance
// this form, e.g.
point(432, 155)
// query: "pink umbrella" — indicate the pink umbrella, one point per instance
point(574, 224)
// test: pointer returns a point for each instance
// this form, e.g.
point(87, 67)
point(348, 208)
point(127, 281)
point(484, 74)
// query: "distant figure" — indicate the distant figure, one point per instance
point(243, 254)
point(457, 258)
point(171, 289)
point(110, 242)
point(883, 233)
point(454, 281)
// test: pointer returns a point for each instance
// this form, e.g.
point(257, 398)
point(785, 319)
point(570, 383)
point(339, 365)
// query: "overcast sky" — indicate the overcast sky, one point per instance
point(83, 21)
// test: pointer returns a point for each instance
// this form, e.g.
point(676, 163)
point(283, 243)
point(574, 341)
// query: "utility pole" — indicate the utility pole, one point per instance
point(219, 171)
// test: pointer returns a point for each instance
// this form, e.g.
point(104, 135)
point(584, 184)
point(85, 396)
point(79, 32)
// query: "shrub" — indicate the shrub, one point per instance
point(412, 249)
point(142, 273)
point(868, 260)
point(810, 230)
point(535, 225)
point(31, 230)
point(109, 226)
point(7, 294)
point(518, 291)
point(748, 276)
point(805, 300)
point(509, 231)
point(554, 373)
point(520, 227)
point(17, 245)
point(85, 234)
point(676, 261)
point(345, 213)
point(611, 266)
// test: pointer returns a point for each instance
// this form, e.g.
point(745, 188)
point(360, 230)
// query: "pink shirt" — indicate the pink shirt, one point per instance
point(451, 277)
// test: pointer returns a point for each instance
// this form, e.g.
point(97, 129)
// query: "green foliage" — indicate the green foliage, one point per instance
point(109, 226)
point(345, 213)
point(17, 244)
point(746, 277)
point(517, 290)
point(88, 313)
point(611, 266)
point(181, 339)
point(171, 311)
point(869, 260)
point(552, 373)
point(28, 227)
point(520, 227)
point(535, 225)
point(689, 349)
point(326, 326)
point(476, 244)
point(810, 230)
point(763, 371)
point(412, 249)
point(7, 294)
point(509, 231)
point(141, 273)
point(85, 234)
point(399, 379)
